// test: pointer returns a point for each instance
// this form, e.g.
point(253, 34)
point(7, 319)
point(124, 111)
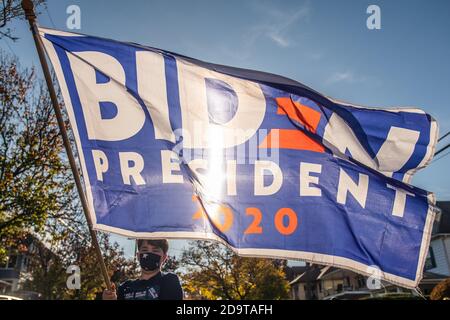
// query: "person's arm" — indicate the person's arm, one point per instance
point(171, 288)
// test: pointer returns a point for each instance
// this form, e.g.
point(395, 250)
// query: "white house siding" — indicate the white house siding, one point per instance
point(298, 291)
point(441, 250)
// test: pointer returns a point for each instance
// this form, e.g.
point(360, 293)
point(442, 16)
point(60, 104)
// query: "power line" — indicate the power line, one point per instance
point(444, 155)
point(442, 149)
point(443, 136)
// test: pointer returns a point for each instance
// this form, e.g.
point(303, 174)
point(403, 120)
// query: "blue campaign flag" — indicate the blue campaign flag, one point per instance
point(175, 147)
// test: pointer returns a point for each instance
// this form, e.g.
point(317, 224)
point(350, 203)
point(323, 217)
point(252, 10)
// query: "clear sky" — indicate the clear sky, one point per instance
point(324, 44)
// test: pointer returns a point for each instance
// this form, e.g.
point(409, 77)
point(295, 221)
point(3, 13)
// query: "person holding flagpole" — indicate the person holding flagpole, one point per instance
point(153, 284)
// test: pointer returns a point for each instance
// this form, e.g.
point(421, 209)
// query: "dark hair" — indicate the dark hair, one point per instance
point(163, 244)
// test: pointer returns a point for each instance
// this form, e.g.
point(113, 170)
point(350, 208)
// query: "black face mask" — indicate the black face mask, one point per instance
point(149, 261)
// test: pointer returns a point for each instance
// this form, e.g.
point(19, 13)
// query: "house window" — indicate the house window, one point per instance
point(12, 261)
point(361, 282)
point(25, 264)
point(430, 262)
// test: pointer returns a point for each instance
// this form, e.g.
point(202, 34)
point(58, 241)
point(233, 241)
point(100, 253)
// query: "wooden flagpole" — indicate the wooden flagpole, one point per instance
point(28, 8)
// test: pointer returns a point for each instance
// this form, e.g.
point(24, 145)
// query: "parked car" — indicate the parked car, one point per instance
point(3, 297)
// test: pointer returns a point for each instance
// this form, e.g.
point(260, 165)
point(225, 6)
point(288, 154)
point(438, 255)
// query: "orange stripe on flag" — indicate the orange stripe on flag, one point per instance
point(290, 139)
point(307, 116)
